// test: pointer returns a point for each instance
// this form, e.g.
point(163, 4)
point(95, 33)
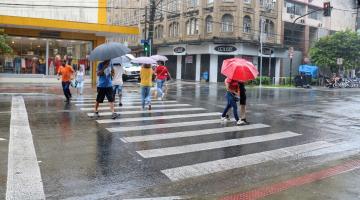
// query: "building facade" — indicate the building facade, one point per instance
point(307, 30)
point(42, 33)
point(197, 35)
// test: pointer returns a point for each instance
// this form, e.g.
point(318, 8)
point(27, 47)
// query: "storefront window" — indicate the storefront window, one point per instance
point(43, 56)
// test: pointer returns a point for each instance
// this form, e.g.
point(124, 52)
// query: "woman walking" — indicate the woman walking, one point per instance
point(80, 79)
point(232, 93)
point(162, 74)
point(146, 73)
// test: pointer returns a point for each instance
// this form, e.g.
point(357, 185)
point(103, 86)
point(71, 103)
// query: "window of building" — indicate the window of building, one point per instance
point(294, 8)
point(173, 5)
point(247, 24)
point(247, 1)
point(269, 28)
point(192, 26)
point(174, 29)
point(209, 24)
point(192, 3)
point(316, 15)
point(227, 23)
point(158, 33)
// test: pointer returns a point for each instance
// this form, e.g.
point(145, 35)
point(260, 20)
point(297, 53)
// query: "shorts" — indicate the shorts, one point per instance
point(242, 94)
point(102, 92)
point(117, 89)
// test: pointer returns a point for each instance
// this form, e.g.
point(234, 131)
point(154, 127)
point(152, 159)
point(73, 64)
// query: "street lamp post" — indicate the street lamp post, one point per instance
point(269, 6)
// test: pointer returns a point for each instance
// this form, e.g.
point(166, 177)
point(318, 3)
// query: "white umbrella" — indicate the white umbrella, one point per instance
point(143, 60)
point(108, 51)
point(159, 58)
point(120, 60)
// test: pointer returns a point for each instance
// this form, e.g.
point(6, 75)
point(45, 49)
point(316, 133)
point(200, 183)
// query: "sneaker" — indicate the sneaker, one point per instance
point(114, 116)
point(242, 122)
point(96, 115)
point(162, 96)
point(149, 107)
point(226, 118)
point(120, 104)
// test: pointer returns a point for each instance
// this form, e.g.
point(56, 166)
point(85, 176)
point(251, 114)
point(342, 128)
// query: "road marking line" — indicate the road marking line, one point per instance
point(182, 134)
point(148, 111)
point(105, 101)
point(267, 190)
point(23, 176)
point(205, 168)
point(158, 198)
point(94, 98)
point(2, 139)
point(130, 107)
point(108, 121)
point(157, 126)
point(124, 103)
point(151, 153)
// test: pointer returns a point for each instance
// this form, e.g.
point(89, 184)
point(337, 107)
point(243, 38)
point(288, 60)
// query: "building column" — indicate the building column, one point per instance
point(306, 40)
point(178, 67)
point(198, 64)
point(213, 68)
point(277, 71)
point(47, 58)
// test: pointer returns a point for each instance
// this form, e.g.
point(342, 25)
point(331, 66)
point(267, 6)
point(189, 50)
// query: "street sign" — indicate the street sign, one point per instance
point(339, 61)
point(291, 52)
point(144, 41)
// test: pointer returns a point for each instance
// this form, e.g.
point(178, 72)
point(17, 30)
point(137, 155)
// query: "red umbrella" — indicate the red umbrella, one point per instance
point(239, 69)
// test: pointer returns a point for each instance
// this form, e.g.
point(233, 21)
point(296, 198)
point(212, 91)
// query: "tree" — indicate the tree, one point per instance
point(4, 48)
point(344, 44)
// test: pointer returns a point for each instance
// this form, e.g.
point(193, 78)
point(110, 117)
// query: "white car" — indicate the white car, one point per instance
point(131, 71)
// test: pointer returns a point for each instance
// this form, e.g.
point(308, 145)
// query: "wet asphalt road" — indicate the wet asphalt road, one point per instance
point(80, 158)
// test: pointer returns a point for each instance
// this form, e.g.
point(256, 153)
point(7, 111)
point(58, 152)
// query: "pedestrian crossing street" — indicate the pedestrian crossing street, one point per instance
point(170, 121)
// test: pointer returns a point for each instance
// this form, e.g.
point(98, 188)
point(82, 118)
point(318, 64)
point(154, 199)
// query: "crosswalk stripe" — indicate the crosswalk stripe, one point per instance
point(105, 101)
point(182, 134)
point(2, 139)
point(130, 107)
point(205, 168)
point(159, 198)
point(107, 121)
point(94, 98)
point(148, 111)
point(124, 103)
point(157, 126)
point(151, 153)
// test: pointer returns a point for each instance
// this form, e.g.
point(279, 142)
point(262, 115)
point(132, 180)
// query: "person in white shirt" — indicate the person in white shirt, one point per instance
point(80, 78)
point(117, 81)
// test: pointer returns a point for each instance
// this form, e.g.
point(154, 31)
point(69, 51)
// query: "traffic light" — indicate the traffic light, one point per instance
point(327, 9)
point(146, 48)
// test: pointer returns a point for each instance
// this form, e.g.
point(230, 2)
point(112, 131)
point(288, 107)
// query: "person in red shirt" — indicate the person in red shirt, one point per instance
point(232, 93)
point(162, 74)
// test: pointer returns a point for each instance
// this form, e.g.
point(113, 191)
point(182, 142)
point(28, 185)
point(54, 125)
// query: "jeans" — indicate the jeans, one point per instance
point(145, 96)
point(231, 103)
point(159, 85)
point(66, 89)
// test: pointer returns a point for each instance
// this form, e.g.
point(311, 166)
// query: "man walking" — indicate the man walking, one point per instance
point(104, 88)
point(118, 81)
point(66, 72)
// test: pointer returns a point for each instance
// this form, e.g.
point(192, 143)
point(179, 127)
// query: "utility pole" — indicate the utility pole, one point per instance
point(151, 24)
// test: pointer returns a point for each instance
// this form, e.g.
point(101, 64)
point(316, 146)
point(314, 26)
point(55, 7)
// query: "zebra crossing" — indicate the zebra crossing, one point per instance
point(173, 120)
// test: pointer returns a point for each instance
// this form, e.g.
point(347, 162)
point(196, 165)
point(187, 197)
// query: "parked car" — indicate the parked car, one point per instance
point(131, 71)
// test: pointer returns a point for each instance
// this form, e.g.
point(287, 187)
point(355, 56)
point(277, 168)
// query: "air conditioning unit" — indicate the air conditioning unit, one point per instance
point(292, 16)
point(302, 21)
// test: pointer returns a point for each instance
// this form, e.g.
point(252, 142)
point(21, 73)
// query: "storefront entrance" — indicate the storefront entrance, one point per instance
point(33, 55)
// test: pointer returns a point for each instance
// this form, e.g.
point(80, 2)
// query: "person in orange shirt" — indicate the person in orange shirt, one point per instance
point(66, 72)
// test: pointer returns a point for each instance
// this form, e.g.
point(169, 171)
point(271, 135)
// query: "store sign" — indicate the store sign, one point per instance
point(189, 59)
point(49, 34)
point(179, 50)
point(266, 51)
point(225, 49)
